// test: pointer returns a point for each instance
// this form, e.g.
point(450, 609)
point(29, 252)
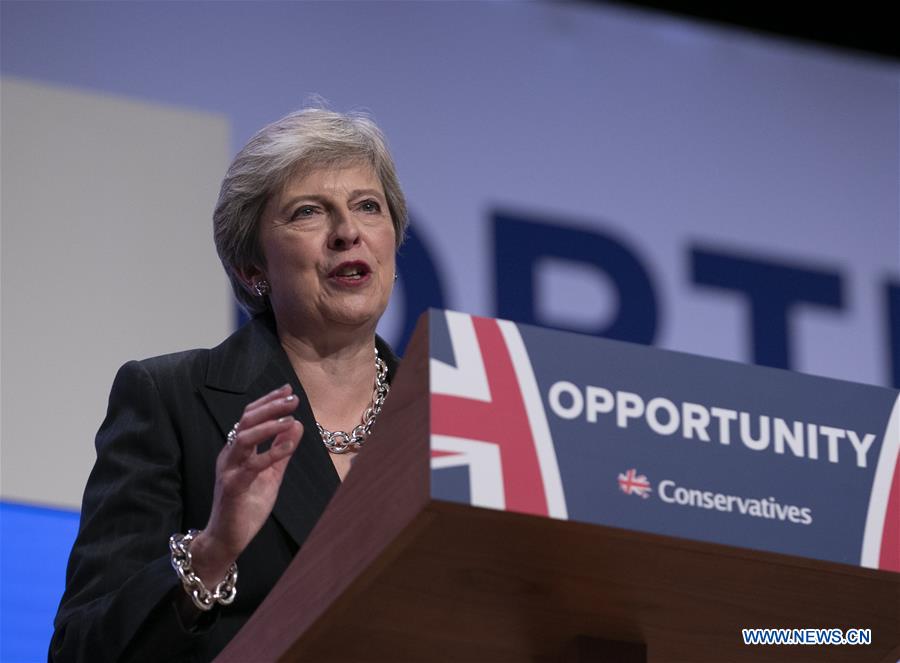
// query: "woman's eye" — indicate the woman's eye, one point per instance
point(303, 212)
point(370, 206)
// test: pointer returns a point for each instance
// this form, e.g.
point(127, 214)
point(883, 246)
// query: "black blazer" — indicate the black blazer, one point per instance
point(154, 475)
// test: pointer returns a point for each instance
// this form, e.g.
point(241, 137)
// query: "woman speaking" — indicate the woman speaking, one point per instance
point(214, 465)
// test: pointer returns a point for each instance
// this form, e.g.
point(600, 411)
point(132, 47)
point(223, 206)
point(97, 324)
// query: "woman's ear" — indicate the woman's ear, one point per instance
point(254, 280)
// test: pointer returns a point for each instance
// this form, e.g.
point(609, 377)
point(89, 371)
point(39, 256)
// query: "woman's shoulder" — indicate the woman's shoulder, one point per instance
point(174, 361)
point(176, 370)
point(194, 366)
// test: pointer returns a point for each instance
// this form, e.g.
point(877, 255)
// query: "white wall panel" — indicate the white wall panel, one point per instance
point(107, 255)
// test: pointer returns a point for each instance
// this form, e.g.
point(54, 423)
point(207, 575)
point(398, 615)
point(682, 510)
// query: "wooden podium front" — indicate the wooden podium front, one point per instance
point(390, 574)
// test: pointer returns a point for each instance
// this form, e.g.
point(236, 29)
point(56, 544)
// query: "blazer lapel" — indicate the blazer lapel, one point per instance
point(247, 366)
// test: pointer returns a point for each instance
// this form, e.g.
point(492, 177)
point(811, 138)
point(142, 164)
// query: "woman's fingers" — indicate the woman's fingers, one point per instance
point(239, 467)
point(283, 446)
point(272, 406)
point(247, 439)
point(262, 419)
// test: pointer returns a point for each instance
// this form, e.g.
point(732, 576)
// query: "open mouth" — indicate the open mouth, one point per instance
point(350, 271)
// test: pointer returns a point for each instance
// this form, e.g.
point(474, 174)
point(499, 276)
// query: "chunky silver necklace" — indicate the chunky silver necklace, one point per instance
point(339, 441)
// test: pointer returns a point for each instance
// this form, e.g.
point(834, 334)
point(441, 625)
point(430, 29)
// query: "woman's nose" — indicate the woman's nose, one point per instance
point(344, 231)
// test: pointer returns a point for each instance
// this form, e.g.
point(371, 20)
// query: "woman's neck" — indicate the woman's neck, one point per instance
point(338, 375)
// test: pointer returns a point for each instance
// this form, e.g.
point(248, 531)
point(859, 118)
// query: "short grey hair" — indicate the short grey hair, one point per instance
point(299, 143)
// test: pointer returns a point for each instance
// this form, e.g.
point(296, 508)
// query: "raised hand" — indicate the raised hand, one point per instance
point(247, 482)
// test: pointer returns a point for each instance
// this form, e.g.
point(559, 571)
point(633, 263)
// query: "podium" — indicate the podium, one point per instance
point(402, 568)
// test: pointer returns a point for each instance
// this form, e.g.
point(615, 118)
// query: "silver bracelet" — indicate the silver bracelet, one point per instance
point(180, 547)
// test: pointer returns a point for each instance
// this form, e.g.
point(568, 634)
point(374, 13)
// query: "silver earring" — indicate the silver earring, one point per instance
point(396, 276)
point(261, 288)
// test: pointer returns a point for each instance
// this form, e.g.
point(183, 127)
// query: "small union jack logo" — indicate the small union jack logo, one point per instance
point(632, 483)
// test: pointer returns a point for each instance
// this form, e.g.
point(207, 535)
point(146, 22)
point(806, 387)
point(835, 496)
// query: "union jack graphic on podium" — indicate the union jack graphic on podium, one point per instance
point(487, 416)
point(632, 483)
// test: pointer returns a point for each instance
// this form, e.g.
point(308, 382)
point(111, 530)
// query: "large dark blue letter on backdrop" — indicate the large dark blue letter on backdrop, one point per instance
point(519, 243)
point(771, 289)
